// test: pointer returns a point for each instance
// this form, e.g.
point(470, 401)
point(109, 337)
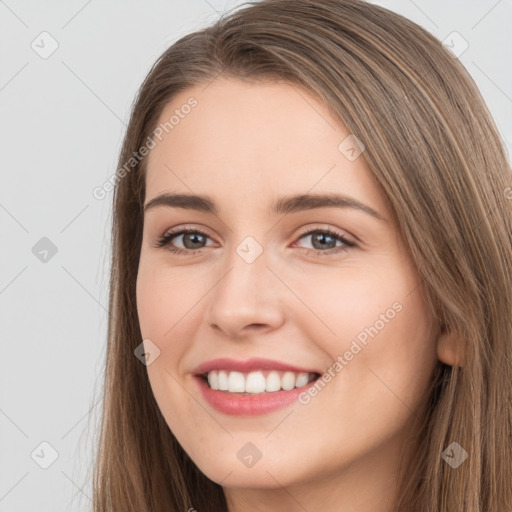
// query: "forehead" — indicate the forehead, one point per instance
point(246, 141)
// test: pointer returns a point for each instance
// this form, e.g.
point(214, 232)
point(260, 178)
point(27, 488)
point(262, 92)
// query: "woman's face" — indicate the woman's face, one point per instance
point(265, 282)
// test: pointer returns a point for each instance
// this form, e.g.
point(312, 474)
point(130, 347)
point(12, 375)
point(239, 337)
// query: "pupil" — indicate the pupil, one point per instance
point(193, 236)
point(322, 236)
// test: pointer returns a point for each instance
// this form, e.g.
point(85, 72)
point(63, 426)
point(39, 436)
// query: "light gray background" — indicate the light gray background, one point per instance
point(62, 123)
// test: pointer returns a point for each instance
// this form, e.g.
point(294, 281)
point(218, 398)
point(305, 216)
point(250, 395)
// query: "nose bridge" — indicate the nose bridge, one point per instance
point(246, 294)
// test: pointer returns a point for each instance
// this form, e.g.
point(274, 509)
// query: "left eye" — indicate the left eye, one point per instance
point(323, 237)
point(320, 237)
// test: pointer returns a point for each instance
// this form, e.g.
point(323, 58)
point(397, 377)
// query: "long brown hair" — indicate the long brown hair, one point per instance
point(436, 154)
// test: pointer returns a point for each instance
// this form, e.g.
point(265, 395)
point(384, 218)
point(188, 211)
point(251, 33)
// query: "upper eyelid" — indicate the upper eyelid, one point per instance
point(302, 230)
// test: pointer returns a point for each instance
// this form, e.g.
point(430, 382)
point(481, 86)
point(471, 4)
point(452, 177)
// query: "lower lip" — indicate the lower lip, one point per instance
point(248, 405)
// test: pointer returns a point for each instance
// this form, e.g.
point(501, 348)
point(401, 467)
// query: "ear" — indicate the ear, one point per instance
point(450, 349)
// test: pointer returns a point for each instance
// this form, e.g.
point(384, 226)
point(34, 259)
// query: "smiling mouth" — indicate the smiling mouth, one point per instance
point(256, 382)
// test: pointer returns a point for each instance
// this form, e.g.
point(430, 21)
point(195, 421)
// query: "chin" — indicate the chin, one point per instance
point(230, 470)
point(249, 478)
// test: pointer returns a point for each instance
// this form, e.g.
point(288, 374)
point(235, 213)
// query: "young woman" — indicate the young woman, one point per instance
point(311, 282)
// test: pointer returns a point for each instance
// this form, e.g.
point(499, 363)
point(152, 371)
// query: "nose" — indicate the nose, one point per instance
point(247, 300)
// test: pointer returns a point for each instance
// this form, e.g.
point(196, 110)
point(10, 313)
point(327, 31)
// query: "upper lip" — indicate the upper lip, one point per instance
point(248, 365)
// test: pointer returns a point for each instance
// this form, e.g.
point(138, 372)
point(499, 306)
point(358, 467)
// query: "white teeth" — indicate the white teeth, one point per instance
point(273, 382)
point(288, 381)
point(213, 380)
point(223, 380)
point(236, 382)
point(256, 382)
point(302, 380)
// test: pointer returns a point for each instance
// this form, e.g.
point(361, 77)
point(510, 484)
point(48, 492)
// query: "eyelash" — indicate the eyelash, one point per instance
point(166, 239)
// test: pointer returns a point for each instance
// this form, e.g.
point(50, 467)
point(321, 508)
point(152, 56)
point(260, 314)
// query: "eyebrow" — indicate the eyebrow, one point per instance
point(284, 205)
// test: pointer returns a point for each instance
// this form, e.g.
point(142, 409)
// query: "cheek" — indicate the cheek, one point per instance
point(164, 308)
point(165, 299)
point(375, 323)
point(169, 312)
point(384, 340)
point(343, 304)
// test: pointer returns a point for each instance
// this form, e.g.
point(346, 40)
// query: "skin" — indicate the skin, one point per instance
point(246, 144)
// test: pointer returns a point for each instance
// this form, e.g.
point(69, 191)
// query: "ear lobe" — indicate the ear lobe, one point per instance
point(450, 349)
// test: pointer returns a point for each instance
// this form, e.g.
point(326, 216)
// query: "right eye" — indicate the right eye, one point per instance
point(166, 240)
